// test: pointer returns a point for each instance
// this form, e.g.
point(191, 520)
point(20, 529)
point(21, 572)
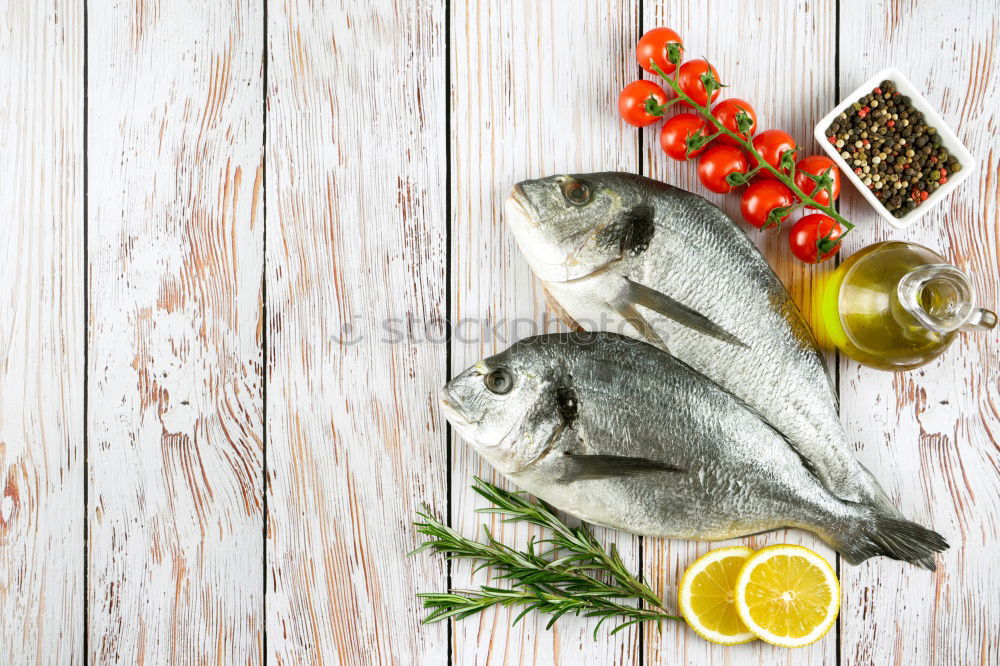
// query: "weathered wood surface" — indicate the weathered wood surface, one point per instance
point(933, 435)
point(357, 226)
point(175, 403)
point(787, 94)
point(206, 258)
point(532, 87)
point(41, 334)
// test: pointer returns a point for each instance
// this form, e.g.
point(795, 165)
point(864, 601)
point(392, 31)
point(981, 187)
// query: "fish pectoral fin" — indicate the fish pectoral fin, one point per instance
point(585, 467)
point(628, 312)
point(640, 294)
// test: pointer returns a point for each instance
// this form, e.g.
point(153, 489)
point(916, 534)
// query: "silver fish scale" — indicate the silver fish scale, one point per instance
point(738, 476)
point(699, 257)
point(622, 434)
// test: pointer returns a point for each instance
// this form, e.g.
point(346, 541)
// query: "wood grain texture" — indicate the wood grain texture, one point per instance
point(533, 93)
point(932, 434)
point(175, 418)
point(351, 308)
point(41, 334)
point(780, 57)
point(355, 286)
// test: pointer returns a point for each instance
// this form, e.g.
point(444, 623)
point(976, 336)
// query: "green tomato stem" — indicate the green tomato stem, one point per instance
point(749, 147)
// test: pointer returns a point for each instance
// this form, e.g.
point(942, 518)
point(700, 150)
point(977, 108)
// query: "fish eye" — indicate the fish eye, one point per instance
point(576, 192)
point(499, 381)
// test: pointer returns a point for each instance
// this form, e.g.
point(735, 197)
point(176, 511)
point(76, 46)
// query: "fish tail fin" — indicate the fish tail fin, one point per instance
point(881, 504)
point(876, 532)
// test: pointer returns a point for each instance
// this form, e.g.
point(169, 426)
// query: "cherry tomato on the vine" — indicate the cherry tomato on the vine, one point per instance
point(632, 102)
point(807, 238)
point(725, 112)
point(763, 196)
point(771, 144)
point(675, 133)
point(817, 165)
point(717, 163)
point(653, 46)
point(689, 79)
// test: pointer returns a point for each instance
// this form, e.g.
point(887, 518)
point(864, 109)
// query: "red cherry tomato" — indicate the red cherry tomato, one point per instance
point(806, 236)
point(725, 112)
point(771, 144)
point(717, 163)
point(675, 133)
point(632, 102)
point(653, 46)
point(763, 196)
point(817, 165)
point(689, 79)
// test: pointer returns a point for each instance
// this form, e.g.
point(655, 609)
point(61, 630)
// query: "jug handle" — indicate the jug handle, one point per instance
point(981, 319)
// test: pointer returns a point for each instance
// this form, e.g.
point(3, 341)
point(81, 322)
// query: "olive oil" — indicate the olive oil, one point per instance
point(897, 306)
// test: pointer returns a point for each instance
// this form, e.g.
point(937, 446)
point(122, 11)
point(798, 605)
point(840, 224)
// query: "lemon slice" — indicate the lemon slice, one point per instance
point(706, 596)
point(787, 595)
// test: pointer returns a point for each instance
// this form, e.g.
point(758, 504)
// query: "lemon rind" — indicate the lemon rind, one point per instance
point(743, 579)
point(683, 596)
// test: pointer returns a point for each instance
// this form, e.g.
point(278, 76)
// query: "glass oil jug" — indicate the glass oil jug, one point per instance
point(897, 306)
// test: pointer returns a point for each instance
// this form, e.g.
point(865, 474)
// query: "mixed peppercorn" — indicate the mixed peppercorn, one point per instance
point(897, 155)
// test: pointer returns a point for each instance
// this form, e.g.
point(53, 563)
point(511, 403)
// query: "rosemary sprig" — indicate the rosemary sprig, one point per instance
point(567, 572)
point(823, 182)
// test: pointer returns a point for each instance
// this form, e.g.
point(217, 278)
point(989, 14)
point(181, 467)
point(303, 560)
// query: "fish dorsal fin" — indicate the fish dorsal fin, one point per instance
point(640, 294)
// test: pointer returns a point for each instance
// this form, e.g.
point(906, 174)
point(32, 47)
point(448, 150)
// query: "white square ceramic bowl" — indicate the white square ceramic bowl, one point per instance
point(948, 140)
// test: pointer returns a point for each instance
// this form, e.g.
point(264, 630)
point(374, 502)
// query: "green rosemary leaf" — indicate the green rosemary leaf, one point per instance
point(565, 572)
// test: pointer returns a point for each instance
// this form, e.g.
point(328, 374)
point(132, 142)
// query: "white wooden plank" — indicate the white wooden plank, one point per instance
point(534, 89)
point(931, 434)
point(356, 240)
point(175, 418)
point(41, 334)
point(780, 57)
